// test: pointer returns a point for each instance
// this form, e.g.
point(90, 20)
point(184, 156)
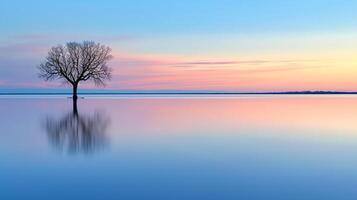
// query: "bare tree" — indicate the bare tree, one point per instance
point(76, 62)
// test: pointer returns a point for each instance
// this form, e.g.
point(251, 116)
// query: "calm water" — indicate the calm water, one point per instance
point(180, 147)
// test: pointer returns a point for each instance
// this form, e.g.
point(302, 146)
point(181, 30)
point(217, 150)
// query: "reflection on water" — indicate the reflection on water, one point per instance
point(241, 147)
point(77, 132)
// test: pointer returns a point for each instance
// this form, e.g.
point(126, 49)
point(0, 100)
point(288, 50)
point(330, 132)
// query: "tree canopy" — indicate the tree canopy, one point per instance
point(76, 62)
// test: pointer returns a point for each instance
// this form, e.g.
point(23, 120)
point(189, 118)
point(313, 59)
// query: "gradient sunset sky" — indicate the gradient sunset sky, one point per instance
point(226, 45)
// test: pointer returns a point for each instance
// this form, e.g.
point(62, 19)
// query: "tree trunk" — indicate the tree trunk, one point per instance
point(75, 86)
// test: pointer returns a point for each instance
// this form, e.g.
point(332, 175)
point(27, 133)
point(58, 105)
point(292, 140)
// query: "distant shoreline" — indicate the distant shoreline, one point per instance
point(183, 93)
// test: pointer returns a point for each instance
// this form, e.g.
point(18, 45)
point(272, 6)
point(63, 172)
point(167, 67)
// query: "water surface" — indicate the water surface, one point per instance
point(179, 147)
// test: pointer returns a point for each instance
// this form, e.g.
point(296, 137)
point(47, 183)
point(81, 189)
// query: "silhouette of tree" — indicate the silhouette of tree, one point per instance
point(76, 62)
point(75, 132)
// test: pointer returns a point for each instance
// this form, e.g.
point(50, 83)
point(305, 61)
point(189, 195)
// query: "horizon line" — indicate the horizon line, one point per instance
point(180, 93)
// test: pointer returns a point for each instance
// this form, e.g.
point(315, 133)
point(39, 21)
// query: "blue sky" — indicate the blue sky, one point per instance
point(174, 17)
point(180, 31)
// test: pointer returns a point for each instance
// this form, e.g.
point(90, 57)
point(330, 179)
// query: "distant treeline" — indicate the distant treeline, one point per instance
point(177, 93)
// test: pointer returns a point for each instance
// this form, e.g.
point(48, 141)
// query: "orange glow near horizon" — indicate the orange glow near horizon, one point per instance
point(155, 72)
point(263, 63)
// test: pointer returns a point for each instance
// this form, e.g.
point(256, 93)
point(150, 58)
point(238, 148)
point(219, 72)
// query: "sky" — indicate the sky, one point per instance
point(215, 45)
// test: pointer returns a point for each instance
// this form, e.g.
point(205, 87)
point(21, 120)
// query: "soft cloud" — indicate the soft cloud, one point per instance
point(160, 72)
point(21, 50)
point(236, 62)
point(2, 82)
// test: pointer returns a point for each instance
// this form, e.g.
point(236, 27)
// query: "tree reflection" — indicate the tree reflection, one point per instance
point(77, 132)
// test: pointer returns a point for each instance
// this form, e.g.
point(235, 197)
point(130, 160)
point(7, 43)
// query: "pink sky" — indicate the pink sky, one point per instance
point(298, 62)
